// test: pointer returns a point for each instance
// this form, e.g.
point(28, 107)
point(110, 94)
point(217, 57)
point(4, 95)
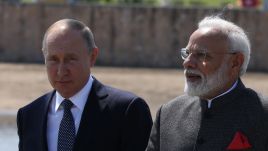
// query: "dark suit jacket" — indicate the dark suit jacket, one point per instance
point(112, 120)
point(185, 123)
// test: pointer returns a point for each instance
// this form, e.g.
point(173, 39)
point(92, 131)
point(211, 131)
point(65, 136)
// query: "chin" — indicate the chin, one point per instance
point(195, 89)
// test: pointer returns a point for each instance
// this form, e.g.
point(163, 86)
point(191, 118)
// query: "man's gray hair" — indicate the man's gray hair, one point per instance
point(237, 38)
point(75, 25)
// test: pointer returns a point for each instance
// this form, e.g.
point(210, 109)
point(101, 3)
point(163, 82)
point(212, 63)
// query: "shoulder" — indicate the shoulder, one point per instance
point(263, 98)
point(126, 106)
point(180, 102)
point(117, 99)
point(248, 94)
point(253, 103)
point(179, 105)
point(254, 97)
point(104, 91)
point(264, 101)
point(38, 103)
point(119, 93)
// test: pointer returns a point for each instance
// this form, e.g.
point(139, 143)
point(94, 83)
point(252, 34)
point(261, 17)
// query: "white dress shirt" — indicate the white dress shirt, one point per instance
point(55, 113)
point(229, 90)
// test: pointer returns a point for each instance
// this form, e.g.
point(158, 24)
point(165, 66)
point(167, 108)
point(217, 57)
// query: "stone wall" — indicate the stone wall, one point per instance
point(126, 36)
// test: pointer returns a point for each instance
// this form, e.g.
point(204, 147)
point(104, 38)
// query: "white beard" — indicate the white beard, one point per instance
point(207, 83)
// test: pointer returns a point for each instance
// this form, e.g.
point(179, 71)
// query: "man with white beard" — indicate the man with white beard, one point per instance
point(217, 112)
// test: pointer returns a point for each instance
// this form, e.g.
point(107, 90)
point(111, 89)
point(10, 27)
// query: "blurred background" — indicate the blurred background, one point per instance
point(138, 41)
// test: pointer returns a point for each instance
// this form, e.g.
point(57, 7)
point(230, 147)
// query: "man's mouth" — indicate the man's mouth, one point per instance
point(63, 82)
point(192, 77)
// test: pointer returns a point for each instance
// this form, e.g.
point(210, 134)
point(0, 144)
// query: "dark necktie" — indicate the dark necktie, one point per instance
point(66, 135)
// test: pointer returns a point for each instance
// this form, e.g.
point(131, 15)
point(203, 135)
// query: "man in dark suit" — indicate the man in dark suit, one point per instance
point(81, 114)
point(217, 112)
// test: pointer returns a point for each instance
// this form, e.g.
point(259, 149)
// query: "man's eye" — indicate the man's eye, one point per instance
point(73, 58)
point(201, 54)
point(187, 53)
point(52, 59)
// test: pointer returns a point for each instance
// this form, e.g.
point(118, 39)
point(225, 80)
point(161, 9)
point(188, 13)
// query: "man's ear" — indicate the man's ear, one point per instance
point(93, 56)
point(237, 61)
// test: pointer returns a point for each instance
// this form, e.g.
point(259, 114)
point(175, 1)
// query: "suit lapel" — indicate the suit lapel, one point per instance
point(91, 116)
point(43, 120)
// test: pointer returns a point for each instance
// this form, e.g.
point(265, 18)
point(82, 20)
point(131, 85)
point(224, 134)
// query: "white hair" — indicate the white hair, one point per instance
point(238, 40)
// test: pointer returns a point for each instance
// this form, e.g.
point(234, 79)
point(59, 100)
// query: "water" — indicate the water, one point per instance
point(8, 138)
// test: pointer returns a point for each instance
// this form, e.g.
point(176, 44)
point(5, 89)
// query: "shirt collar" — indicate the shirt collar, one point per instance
point(79, 99)
point(229, 90)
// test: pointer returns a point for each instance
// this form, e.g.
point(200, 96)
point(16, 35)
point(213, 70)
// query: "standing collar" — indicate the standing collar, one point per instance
point(229, 90)
point(79, 99)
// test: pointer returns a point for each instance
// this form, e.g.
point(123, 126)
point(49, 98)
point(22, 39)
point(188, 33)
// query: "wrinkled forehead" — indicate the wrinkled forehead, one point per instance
point(209, 39)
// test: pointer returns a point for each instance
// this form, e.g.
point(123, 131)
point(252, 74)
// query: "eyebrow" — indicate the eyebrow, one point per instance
point(198, 49)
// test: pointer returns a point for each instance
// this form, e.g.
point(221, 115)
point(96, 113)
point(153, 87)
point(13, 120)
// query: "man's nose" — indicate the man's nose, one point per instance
point(62, 69)
point(190, 62)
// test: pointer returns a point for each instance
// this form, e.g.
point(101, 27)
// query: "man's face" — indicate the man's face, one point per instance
point(68, 60)
point(207, 68)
